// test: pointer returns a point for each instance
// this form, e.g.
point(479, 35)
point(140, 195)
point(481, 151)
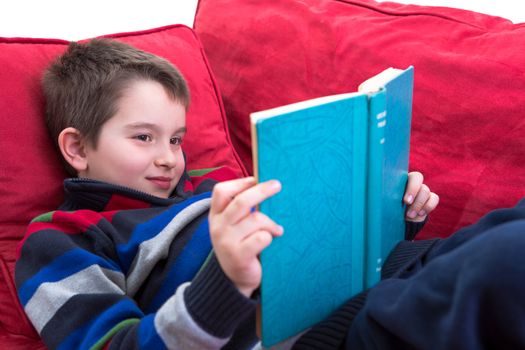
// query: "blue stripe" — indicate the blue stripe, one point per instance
point(148, 336)
point(150, 229)
point(185, 267)
point(90, 333)
point(61, 267)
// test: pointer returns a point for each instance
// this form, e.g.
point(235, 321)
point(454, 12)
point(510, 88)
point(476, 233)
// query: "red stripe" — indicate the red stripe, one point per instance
point(67, 222)
point(188, 186)
point(118, 202)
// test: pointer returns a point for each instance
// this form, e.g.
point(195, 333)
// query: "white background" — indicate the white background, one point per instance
point(75, 19)
point(81, 19)
point(513, 10)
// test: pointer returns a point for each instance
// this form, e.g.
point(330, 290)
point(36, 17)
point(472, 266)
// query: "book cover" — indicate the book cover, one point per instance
point(326, 152)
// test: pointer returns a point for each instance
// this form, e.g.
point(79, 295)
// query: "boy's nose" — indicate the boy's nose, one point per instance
point(166, 158)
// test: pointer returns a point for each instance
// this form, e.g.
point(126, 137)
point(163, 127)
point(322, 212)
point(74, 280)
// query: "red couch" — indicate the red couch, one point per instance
point(468, 137)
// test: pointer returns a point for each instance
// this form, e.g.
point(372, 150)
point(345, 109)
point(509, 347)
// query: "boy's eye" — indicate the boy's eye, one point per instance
point(177, 140)
point(145, 138)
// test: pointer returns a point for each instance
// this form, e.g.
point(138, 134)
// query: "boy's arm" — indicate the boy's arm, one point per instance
point(76, 296)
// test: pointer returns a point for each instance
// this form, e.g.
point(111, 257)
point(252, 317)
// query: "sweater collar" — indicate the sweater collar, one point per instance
point(82, 193)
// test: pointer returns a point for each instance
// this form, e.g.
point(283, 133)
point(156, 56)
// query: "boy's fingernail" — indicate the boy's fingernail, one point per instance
point(422, 213)
point(410, 199)
point(275, 184)
point(280, 229)
point(412, 214)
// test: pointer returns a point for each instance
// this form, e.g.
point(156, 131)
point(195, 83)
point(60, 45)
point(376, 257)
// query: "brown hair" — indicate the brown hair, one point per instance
point(83, 86)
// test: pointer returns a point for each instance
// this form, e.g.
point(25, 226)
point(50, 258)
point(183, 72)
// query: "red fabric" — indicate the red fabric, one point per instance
point(117, 202)
point(468, 137)
point(31, 174)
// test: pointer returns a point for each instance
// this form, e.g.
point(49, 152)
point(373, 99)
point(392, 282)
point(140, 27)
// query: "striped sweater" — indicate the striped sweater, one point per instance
point(115, 268)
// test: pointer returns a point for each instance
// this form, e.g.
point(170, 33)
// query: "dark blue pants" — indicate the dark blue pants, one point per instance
point(467, 292)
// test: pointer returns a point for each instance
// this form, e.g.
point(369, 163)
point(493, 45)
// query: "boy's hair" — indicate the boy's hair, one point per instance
point(83, 86)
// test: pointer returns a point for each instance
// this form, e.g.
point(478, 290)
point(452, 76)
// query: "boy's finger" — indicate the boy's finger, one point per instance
point(224, 192)
point(243, 203)
point(416, 209)
point(431, 203)
point(254, 244)
point(257, 221)
point(414, 182)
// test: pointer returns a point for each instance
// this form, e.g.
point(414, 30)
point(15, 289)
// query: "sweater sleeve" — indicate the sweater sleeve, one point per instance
point(73, 289)
point(413, 228)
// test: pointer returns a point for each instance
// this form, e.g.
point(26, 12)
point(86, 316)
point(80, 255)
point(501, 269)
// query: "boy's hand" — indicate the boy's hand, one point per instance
point(420, 200)
point(238, 233)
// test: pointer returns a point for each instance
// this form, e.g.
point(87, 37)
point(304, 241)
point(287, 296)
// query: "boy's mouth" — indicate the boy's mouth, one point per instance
point(161, 182)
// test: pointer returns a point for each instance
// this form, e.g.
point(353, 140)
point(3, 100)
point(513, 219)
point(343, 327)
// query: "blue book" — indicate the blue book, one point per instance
point(343, 163)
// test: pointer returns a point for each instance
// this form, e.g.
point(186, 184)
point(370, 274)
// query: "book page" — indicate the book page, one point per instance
point(376, 82)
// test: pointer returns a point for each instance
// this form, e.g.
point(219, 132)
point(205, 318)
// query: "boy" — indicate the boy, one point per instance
point(126, 262)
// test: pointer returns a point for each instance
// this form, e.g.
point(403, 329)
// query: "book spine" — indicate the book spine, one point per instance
point(374, 211)
point(255, 150)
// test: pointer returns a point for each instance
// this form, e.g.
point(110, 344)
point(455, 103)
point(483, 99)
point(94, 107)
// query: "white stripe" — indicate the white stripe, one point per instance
point(178, 330)
point(156, 248)
point(51, 296)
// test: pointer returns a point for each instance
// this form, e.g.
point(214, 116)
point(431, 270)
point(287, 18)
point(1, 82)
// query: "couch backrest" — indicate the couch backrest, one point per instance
point(468, 136)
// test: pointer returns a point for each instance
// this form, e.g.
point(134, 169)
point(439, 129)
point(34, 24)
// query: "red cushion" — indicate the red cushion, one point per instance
point(468, 135)
point(31, 174)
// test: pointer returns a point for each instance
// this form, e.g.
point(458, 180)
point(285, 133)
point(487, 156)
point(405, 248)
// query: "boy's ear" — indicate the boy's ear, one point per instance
point(72, 146)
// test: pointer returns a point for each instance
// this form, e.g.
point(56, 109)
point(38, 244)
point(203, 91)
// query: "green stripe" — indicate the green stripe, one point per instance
point(205, 262)
point(47, 217)
point(100, 344)
point(200, 172)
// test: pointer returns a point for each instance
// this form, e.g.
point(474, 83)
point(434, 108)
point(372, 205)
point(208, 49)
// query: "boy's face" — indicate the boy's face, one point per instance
point(140, 146)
